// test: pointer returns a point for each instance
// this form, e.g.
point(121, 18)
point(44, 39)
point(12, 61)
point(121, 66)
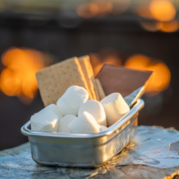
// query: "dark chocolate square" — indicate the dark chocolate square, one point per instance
point(120, 79)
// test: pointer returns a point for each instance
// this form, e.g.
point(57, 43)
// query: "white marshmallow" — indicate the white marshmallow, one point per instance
point(64, 122)
point(85, 123)
point(102, 128)
point(115, 107)
point(71, 100)
point(46, 121)
point(54, 108)
point(95, 109)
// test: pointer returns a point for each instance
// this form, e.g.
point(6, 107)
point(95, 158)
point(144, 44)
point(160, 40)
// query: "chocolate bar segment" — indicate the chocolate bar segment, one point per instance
point(120, 79)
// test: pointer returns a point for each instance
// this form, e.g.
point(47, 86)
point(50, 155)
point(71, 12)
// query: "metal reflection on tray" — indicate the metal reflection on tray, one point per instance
point(83, 150)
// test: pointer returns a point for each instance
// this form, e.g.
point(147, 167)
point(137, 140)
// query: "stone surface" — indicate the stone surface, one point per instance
point(174, 147)
point(146, 156)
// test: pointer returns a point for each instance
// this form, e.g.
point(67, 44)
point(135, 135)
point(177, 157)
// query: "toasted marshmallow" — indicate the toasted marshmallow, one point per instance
point(115, 107)
point(45, 121)
point(54, 108)
point(85, 123)
point(102, 128)
point(64, 122)
point(71, 100)
point(95, 109)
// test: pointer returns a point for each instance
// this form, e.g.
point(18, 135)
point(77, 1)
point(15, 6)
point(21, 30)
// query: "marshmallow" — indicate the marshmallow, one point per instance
point(46, 121)
point(95, 109)
point(85, 123)
point(102, 128)
point(54, 108)
point(72, 99)
point(64, 122)
point(115, 107)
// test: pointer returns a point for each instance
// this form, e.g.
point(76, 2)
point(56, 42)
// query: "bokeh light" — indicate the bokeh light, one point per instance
point(161, 76)
point(94, 8)
point(18, 76)
point(105, 7)
point(87, 10)
point(149, 26)
point(120, 6)
point(162, 10)
point(98, 62)
point(171, 26)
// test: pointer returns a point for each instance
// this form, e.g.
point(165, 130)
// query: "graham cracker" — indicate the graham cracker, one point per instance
point(88, 74)
point(54, 80)
point(96, 90)
point(100, 89)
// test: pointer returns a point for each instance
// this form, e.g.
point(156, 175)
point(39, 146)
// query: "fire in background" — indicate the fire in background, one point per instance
point(159, 15)
point(18, 76)
point(161, 12)
point(161, 76)
point(159, 80)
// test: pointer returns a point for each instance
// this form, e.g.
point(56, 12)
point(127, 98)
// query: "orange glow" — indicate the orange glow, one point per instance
point(112, 60)
point(143, 10)
point(97, 63)
point(9, 77)
point(88, 10)
point(161, 76)
point(162, 10)
point(97, 7)
point(18, 78)
point(168, 26)
point(105, 7)
point(160, 79)
point(120, 6)
point(150, 26)
point(139, 62)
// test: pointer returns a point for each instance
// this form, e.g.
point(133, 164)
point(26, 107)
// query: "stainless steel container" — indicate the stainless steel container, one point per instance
point(83, 150)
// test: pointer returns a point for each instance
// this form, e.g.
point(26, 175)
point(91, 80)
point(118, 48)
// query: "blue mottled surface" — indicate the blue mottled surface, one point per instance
point(146, 156)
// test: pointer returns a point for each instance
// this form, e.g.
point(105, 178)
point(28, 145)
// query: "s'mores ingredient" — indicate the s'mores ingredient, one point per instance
point(102, 128)
point(85, 123)
point(99, 89)
point(88, 74)
point(122, 80)
point(71, 100)
point(64, 122)
point(95, 109)
point(134, 96)
point(54, 108)
point(115, 107)
point(54, 80)
point(96, 90)
point(45, 121)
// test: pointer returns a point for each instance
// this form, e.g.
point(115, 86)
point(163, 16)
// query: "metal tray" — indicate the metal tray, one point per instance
point(83, 150)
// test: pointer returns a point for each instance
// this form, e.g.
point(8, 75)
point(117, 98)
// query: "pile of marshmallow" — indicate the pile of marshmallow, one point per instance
point(74, 113)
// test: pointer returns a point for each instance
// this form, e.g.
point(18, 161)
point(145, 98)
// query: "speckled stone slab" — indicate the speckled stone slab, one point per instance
point(146, 156)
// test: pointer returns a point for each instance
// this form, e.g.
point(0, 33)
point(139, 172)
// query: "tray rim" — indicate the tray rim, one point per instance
point(136, 107)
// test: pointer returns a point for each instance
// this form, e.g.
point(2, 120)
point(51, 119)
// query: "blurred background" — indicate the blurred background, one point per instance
point(138, 34)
